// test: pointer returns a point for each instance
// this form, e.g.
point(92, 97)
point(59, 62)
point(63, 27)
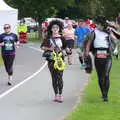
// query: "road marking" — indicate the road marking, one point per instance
point(24, 81)
point(27, 79)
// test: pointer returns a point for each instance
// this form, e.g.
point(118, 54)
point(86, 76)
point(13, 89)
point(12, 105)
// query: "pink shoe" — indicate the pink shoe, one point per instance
point(69, 63)
point(55, 98)
point(60, 99)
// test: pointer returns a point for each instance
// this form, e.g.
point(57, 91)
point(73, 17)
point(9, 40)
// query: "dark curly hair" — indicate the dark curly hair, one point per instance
point(55, 22)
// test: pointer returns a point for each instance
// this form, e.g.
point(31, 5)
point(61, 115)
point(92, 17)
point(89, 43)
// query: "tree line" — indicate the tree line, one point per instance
point(75, 9)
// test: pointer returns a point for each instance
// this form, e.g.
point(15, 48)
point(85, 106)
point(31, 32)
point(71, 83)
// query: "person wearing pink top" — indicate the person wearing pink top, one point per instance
point(68, 34)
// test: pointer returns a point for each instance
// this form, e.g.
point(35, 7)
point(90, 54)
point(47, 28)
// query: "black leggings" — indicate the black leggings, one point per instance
point(81, 59)
point(8, 62)
point(70, 43)
point(57, 80)
point(103, 67)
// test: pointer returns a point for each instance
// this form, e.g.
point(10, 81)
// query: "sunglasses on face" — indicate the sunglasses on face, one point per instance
point(6, 28)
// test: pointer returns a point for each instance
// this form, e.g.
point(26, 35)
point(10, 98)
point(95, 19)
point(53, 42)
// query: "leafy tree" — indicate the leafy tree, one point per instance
point(40, 9)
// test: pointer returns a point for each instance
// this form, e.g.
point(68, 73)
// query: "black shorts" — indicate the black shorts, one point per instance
point(70, 43)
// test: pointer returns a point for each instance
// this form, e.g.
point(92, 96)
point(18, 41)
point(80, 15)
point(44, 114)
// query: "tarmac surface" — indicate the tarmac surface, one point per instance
point(30, 96)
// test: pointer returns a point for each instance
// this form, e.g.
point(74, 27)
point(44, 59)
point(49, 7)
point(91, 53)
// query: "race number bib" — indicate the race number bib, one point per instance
point(101, 54)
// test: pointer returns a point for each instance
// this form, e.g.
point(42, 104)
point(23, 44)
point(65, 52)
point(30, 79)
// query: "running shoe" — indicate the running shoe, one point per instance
point(60, 98)
point(83, 66)
point(9, 83)
point(55, 98)
point(105, 99)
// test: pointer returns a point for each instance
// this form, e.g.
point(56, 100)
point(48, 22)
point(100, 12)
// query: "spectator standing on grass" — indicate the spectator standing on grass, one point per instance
point(22, 31)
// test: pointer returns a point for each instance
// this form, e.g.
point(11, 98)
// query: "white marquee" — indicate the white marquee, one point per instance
point(8, 15)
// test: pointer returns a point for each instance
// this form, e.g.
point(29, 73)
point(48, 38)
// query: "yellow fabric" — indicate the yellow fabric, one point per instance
point(22, 28)
point(59, 63)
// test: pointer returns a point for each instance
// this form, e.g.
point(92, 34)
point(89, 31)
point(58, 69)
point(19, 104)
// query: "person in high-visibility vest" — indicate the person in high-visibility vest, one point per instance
point(22, 30)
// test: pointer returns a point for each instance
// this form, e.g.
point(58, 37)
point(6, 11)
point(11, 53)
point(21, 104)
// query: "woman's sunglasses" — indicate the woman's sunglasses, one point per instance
point(6, 27)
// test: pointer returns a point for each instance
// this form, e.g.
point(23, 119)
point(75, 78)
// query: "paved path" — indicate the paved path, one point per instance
point(31, 96)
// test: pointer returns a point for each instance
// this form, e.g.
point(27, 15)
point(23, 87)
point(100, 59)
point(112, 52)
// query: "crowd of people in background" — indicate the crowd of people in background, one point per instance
point(99, 37)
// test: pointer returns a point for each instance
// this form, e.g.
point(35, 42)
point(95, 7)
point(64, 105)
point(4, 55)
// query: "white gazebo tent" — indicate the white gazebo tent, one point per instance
point(8, 15)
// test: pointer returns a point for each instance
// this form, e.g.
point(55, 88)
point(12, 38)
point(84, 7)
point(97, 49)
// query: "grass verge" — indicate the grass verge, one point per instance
point(92, 107)
point(34, 37)
point(1, 61)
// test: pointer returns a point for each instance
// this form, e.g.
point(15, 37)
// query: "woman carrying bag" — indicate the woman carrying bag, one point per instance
point(54, 44)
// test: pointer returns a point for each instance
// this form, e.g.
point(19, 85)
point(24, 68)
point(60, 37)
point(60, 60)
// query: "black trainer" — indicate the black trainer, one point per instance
point(9, 83)
point(105, 99)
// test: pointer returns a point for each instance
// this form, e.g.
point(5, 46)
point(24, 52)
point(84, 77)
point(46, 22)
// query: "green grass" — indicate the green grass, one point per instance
point(34, 37)
point(1, 61)
point(92, 107)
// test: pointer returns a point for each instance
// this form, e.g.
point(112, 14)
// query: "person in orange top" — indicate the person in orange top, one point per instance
point(69, 36)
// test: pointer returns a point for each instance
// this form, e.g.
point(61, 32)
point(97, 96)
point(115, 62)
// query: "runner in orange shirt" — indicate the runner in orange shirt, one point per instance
point(68, 34)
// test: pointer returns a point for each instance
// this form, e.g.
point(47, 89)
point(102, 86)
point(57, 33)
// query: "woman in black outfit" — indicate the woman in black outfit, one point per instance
point(55, 40)
point(8, 41)
point(99, 43)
